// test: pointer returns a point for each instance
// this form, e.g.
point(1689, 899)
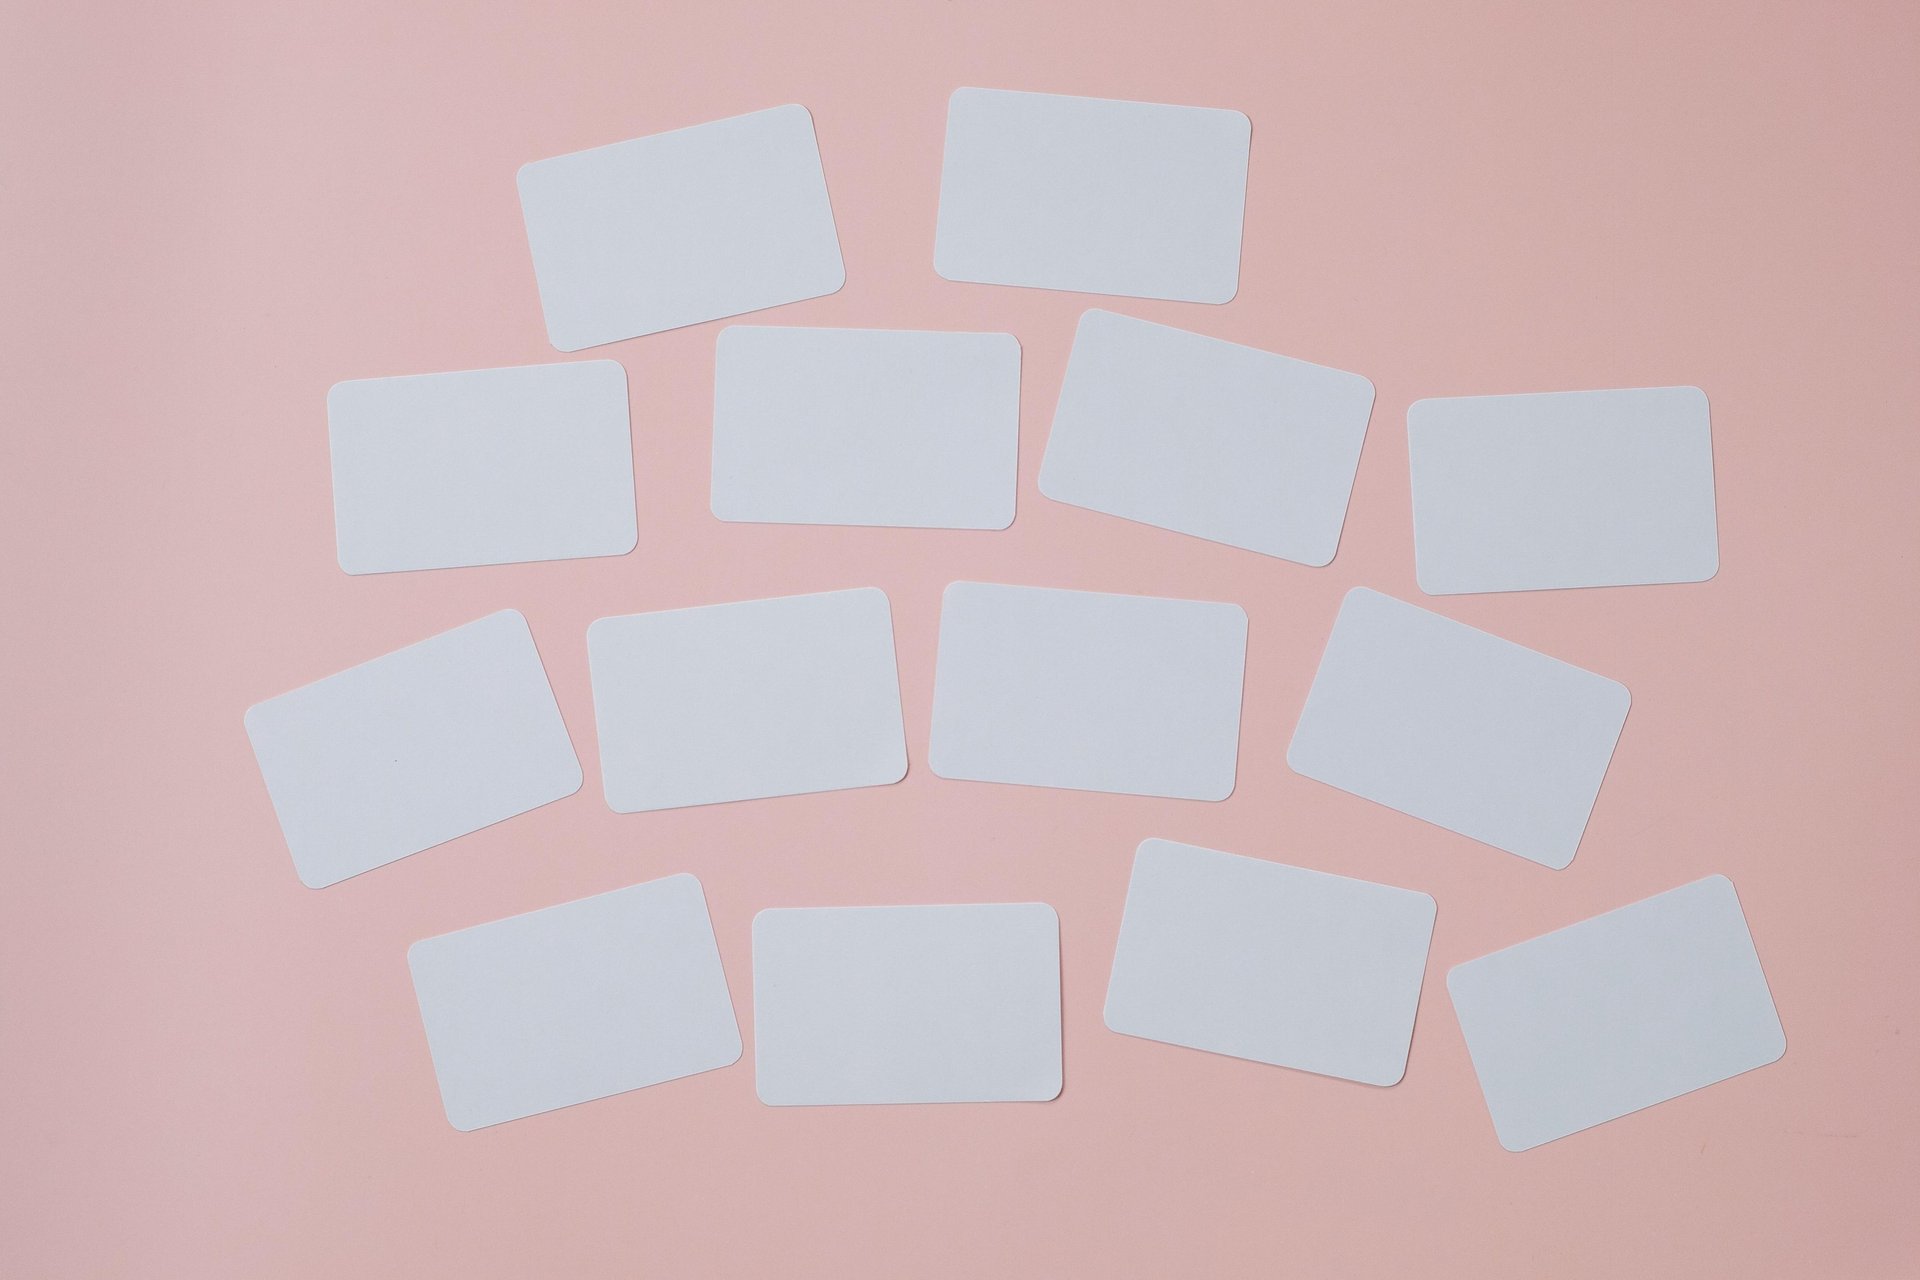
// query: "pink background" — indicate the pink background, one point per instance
point(212, 215)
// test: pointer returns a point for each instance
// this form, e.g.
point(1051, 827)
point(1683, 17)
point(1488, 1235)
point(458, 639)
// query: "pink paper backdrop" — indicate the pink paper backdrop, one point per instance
point(212, 214)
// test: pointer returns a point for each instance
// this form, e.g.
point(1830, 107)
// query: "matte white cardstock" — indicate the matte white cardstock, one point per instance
point(1206, 437)
point(866, 427)
point(575, 1002)
point(412, 749)
point(1088, 691)
point(906, 1004)
point(748, 700)
point(1459, 728)
point(1567, 489)
point(1614, 1014)
point(678, 228)
point(1268, 962)
point(1092, 195)
point(492, 466)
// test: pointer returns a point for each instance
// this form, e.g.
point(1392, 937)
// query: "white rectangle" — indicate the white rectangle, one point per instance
point(1092, 692)
point(748, 700)
point(1603, 1018)
point(1268, 962)
point(866, 427)
point(1092, 195)
point(575, 1002)
point(1206, 437)
point(906, 1004)
point(492, 466)
point(1457, 727)
point(1569, 489)
point(677, 228)
point(412, 749)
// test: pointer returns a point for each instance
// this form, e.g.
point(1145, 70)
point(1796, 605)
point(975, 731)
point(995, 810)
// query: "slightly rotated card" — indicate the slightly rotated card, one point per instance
point(1567, 489)
point(1268, 962)
point(1457, 727)
point(492, 466)
point(1088, 691)
point(410, 750)
point(866, 427)
point(1617, 1013)
point(1206, 437)
point(580, 1001)
point(748, 700)
point(906, 1004)
point(1092, 195)
point(674, 229)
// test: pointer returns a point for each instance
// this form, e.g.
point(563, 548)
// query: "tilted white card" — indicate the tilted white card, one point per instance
point(748, 700)
point(1457, 727)
point(1273, 963)
point(1092, 195)
point(866, 427)
point(677, 228)
point(409, 750)
point(1611, 1015)
point(906, 1004)
point(1206, 437)
point(575, 1002)
point(1568, 489)
point(1088, 691)
point(492, 466)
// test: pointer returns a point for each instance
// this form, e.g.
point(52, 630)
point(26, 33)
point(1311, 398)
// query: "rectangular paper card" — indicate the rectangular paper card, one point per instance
point(1092, 692)
point(493, 466)
point(1605, 1017)
point(1569, 489)
point(1206, 437)
point(1272, 963)
point(866, 427)
point(1459, 728)
point(906, 1004)
point(674, 229)
point(749, 700)
point(1092, 195)
point(580, 1001)
point(410, 750)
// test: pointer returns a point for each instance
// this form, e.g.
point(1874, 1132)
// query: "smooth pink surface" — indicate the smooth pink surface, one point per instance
point(212, 214)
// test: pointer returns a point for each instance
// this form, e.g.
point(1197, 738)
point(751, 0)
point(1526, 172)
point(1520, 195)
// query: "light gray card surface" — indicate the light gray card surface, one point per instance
point(574, 1002)
point(1092, 195)
point(1206, 437)
point(866, 427)
point(1088, 691)
point(1457, 727)
point(747, 700)
point(1566, 489)
point(407, 751)
point(906, 1004)
point(677, 228)
point(490, 466)
point(1603, 1018)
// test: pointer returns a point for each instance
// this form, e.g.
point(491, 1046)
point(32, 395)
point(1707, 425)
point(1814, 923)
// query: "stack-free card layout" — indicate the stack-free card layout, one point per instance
point(1566, 489)
point(906, 1004)
point(748, 700)
point(412, 749)
point(1088, 691)
point(674, 229)
point(492, 466)
point(1273, 963)
point(580, 1001)
point(1206, 437)
point(1457, 727)
point(1092, 195)
point(1605, 1017)
point(866, 427)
